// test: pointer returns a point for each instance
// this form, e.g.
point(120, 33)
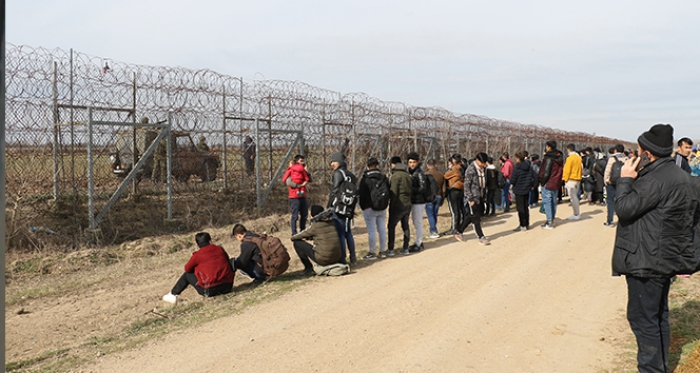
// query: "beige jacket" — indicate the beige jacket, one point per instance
point(608, 166)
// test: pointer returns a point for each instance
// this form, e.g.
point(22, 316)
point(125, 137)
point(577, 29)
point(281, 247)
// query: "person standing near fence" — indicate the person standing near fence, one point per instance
point(249, 155)
point(375, 194)
point(507, 170)
point(522, 183)
point(551, 181)
point(454, 180)
point(401, 185)
point(573, 170)
point(343, 221)
point(296, 178)
point(432, 208)
point(419, 187)
point(616, 155)
point(685, 148)
point(474, 192)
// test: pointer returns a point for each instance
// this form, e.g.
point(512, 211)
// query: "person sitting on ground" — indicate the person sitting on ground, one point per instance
point(249, 262)
point(326, 247)
point(208, 271)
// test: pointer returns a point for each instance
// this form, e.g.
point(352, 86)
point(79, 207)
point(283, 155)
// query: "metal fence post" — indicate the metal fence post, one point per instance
point(55, 130)
point(223, 129)
point(169, 164)
point(257, 166)
point(91, 181)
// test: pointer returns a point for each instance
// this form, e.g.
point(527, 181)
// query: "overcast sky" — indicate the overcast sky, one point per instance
point(609, 67)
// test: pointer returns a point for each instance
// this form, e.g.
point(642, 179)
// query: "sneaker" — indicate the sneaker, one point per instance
point(520, 229)
point(390, 253)
point(574, 217)
point(244, 274)
point(309, 272)
point(382, 255)
point(170, 298)
point(369, 256)
point(449, 233)
point(484, 241)
point(405, 251)
point(353, 262)
point(459, 237)
point(548, 225)
point(608, 224)
point(434, 235)
point(416, 249)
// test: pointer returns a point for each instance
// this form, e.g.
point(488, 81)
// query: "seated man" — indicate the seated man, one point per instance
point(208, 271)
point(326, 248)
point(249, 262)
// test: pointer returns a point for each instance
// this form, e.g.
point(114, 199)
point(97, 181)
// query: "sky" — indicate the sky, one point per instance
point(613, 68)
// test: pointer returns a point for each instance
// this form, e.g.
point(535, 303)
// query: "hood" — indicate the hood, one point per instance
point(556, 155)
point(374, 173)
point(400, 167)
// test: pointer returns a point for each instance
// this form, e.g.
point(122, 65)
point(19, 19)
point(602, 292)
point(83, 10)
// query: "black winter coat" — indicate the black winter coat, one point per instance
point(369, 179)
point(658, 220)
point(337, 179)
point(419, 185)
point(521, 180)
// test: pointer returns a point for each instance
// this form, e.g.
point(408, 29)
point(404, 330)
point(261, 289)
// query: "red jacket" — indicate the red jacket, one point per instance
point(211, 266)
point(298, 175)
point(508, 168)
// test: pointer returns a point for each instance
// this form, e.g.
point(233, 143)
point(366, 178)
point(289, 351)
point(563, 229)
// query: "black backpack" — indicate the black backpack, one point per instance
point(615, 171)
point(432, 188)
point(378, 192)
point(346, 197)
point(501, 180)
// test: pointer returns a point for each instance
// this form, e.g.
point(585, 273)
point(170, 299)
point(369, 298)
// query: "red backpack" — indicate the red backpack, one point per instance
point(274, 255)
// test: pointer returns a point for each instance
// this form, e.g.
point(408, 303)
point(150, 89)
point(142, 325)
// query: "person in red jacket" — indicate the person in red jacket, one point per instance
point(551, 180)
point(208, 271)
point(296, 177)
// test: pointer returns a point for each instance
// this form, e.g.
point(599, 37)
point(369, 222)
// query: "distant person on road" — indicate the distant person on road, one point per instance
point(551, 181)
point(202, 144)
point(522, 183)
point(432, 208)
point(507, 170)
point(419, 188)
point(249, 262)
point(491, 187)
point(399, 204)
point(617, 155)
point(375, 193)
point(685, 148)
point(658, 207)
point(572, 174)
point(208, 271)
point(326, 247)
point(474, 193)
point(249, 155)
point(536, 163)
point(296, 178)
point(454, 180)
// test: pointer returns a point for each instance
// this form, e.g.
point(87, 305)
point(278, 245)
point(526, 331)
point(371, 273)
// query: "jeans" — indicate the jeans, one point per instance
point(610, 201)
point(417, 212)
point(431, 209)
point(647, 313)
point(396, 216)
point(376, 223)
point(505, 197)
point(300, 208)
point(347, 242)
point(572, 187)
point(549, 200)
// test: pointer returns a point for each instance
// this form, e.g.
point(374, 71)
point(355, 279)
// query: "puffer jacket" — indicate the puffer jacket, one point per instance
point(551, 170)
point(419, 185)
point(472, 188)
point(326, 241)
point(658, 220)
point(401, 183)
point(453, 177)
point(521, 179)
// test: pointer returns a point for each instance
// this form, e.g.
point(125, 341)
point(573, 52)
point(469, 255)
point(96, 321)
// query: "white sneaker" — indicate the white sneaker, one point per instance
point(170, 298)
point(574, 217)
point(434, 235)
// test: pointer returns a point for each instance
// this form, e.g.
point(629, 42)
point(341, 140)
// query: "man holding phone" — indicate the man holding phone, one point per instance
point(658, 207)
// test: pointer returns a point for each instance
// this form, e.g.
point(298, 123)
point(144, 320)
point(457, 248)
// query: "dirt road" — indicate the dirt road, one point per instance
point(535, 301)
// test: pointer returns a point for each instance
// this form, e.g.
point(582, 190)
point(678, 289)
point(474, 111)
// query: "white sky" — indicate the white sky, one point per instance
point(609, 67)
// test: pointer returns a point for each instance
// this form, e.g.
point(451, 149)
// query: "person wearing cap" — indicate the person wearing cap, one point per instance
point(342, 222)
point(209, 271)
point(202, 144)
point(658, 207)
point(685, 147)
point(326, 248)
point(375, 215)
point(401, 184)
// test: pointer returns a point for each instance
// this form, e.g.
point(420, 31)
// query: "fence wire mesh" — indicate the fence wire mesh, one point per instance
point(48, 93)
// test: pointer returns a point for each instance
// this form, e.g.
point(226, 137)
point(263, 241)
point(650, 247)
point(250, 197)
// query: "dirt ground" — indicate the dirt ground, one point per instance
point(535, 301)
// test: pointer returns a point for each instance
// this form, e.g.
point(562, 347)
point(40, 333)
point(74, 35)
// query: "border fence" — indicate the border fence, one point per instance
point(49, 94)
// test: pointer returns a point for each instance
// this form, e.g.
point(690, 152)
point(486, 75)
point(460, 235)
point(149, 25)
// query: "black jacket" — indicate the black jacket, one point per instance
point(521, 180)
point(658, 218)
point(418, 186)
point(368, 181)
point(249, 251)
point(337, 179)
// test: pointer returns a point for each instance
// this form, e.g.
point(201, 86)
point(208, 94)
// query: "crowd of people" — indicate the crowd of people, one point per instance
point(658, 208)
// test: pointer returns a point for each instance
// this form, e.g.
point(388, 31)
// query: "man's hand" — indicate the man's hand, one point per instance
point(471, 203)
point(629, 169)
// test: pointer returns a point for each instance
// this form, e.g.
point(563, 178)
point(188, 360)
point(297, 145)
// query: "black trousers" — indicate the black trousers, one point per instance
point(305, 252)
point(472, 215)
point(190, 279)
point(395, 217)
point(521, 203)
point(647, 313)
point(455, 199)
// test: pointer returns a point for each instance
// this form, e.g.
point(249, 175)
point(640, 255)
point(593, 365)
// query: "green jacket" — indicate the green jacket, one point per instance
point(326, 241)
point(401, 184)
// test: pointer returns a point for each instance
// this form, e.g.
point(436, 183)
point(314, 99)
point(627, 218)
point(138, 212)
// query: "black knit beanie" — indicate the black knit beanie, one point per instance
point(658, 140)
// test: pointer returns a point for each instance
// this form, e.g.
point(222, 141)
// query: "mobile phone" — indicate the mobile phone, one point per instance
point(643, 162)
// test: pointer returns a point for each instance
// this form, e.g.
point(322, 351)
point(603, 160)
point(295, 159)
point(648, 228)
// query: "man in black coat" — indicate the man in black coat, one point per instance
point(658, 206)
